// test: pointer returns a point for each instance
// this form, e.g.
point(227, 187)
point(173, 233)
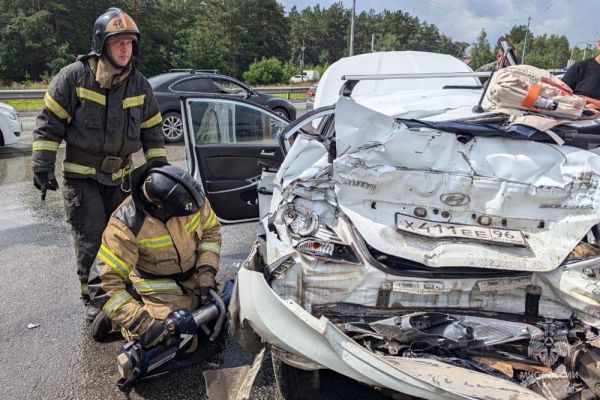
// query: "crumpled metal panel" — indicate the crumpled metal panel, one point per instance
point(548, 192)
point(233, 383)
point(322, 342)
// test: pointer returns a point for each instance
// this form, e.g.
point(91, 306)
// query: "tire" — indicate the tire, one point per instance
point(294, 383)
point(282, 112)
point(172, 127)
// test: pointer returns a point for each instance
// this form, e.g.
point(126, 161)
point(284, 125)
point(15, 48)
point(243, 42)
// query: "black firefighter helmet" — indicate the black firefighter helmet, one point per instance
point(114, 22)
point(169, 191)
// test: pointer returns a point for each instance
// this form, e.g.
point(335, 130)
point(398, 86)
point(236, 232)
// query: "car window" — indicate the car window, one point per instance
point(225, 86)
point(311, 124)
point(198, 85)
point(226, 122)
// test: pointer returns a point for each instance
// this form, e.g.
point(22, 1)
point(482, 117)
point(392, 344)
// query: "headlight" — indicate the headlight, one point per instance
point(301, 222)
point(9, 114)
point(314, 238)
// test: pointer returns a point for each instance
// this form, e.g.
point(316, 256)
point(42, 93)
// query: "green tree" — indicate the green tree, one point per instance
point(265, 71)
point(480, 52)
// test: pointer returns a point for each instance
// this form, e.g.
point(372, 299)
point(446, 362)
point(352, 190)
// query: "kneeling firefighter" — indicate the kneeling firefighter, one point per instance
point(159, 254)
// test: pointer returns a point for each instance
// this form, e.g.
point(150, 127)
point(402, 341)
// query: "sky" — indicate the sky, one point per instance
point(462, 20)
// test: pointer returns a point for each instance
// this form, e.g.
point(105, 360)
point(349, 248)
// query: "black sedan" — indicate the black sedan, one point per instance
point(170, 86)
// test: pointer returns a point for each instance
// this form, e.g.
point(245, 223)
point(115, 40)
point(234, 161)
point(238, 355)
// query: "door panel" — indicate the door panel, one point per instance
point(230, 176)
point(231, 141)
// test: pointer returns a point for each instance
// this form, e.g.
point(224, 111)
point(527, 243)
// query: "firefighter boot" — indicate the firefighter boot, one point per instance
point(91, 311)
point(102, 327)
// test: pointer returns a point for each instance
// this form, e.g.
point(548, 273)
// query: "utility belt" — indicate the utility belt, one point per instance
point(105, 164)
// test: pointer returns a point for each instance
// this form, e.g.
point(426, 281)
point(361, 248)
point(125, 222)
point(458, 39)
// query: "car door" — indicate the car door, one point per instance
point(228, 144)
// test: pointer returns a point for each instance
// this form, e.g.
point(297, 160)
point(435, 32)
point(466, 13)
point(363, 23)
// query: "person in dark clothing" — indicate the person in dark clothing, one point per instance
point(584, 77)
point(104, 109)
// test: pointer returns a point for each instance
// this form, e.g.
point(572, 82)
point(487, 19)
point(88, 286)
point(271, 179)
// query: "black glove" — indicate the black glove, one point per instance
point(206, 280)
point(154, 333)
point(45, 181)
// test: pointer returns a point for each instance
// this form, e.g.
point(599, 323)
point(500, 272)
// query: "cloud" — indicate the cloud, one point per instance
point(462, 20)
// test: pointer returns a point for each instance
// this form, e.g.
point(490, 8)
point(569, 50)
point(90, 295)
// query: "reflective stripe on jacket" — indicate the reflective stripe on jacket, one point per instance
point(102, 122)
point(133, 246)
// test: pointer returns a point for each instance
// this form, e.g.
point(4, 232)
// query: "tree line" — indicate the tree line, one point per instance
point(37, 38)
point(543, 51)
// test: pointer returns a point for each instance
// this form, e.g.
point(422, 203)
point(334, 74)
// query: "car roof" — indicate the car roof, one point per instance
point(170, 77)
point(393, 62)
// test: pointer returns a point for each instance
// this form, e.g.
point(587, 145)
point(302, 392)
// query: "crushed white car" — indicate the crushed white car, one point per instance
point(425, 250)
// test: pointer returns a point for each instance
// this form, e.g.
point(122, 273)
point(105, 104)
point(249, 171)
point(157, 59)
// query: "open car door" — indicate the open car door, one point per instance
point(228, 144)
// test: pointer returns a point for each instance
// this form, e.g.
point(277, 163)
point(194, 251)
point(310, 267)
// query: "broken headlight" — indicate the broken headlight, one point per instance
point(331, 251)
point(300, 222)
point(314, 238)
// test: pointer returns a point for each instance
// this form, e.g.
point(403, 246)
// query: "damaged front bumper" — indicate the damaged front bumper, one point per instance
point(287, 326)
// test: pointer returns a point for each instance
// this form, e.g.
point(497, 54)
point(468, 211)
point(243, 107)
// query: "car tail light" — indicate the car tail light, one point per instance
point(310, 93)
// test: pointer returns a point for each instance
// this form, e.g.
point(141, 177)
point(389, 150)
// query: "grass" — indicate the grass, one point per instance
point(293, 96)
point(24, 85)
point(25, 104)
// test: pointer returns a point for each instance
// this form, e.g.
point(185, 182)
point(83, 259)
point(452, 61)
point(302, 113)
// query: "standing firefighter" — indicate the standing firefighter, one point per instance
point(164, 241)
point(104, 110)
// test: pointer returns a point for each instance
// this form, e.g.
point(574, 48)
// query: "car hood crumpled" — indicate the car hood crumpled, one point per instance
point(382, 168)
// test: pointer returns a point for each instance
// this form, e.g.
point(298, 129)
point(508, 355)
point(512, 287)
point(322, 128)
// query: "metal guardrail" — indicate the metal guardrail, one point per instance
point(22, 94)
point(279, 90)
point(39, 93)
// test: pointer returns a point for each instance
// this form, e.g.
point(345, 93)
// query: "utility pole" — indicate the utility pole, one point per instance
point(351, 52)
point(526, 33)
point(372, 43)
point(302, 62)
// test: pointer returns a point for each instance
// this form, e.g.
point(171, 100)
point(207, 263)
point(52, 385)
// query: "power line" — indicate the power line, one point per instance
point(554, 29)
point(468, 13)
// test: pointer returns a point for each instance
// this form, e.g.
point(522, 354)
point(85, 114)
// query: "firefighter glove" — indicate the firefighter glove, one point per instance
point(45, 181)
point(206, 280)
point(154, 333)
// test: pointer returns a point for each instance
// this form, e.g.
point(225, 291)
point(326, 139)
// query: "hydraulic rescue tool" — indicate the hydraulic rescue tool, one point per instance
point(136, 362)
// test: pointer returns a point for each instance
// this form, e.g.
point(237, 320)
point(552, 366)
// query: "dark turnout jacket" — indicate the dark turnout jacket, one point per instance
point(96, 123)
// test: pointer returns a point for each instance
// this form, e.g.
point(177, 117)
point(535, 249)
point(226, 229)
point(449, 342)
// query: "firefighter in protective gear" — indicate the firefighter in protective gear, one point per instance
point(159, 253)
point(104, 109)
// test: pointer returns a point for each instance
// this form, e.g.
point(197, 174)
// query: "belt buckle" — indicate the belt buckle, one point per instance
point(110, 164)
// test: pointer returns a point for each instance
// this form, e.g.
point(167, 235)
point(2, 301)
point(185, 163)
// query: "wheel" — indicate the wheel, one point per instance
point(294, 383)
point(172, 127)
point(282, 112)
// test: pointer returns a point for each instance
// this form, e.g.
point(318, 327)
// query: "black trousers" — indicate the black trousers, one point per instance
point(88, 206)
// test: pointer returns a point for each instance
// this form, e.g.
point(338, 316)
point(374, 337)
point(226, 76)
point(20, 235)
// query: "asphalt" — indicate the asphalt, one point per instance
point(58, 358)
point(46, 351)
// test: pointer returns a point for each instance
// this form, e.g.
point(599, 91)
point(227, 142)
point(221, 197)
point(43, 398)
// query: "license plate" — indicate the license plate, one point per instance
point(440, 230)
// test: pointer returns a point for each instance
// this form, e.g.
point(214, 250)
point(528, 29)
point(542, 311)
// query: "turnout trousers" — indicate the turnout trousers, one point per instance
point(88, 206)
